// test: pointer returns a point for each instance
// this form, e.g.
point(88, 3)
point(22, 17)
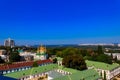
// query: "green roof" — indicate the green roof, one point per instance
point(80, 75)
point(102, 65)
point(39, 54)
point(68, 69)
point(32, 71)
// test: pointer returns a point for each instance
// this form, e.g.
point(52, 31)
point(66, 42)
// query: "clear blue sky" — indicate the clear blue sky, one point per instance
point(60, 21)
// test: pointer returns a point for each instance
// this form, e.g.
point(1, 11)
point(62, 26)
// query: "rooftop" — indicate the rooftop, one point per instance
point(102, 65)
point(68, 69)
point(32, 71)
point(80, 75)
point(21, 64)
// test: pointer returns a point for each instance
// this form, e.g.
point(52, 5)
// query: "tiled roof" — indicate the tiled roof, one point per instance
point(22, 64)
point(32, 71)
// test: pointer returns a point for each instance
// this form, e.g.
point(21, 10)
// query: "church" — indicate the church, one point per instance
point(41, 53)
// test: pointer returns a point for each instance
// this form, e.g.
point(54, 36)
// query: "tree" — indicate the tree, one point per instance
point(104, 75)
point(74, 61)
point(14, 57)
point(70, 51)
point(100, 50)
point(115, 59)
point(55, 60)
point(59, 54)
point(104, 58)
point(35, 64)
point(1, 60)
point(101, 73)
point(111, 55)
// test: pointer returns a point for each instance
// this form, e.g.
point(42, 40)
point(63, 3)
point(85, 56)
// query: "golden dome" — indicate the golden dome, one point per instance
point(41, 49)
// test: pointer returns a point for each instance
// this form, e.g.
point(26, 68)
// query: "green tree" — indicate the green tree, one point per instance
point(74, 61)
point(70, 51)
point(115, 59)
point(100, 50)
point(1, 60)
point(111, 55)
point(101, 74)
point(14, 57)
point(104, 75)
point(55, 60)
point(35, 64)
point(104, 58)
point(59, 54)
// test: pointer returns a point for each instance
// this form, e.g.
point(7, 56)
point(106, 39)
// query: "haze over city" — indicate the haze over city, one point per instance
point(60, 22)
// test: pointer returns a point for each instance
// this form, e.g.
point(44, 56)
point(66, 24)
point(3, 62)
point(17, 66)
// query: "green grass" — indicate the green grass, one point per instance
point(32, 71)
point(102, 65)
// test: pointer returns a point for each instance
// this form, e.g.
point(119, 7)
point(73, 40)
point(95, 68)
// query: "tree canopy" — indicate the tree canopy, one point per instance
point(14, 57)
point(74, 61)
point(35, 64)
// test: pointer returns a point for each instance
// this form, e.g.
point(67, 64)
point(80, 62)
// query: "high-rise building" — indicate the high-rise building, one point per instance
point(115, 44)
point(9, 42)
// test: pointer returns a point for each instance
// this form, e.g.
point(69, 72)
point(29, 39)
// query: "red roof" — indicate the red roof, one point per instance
point(22, 64)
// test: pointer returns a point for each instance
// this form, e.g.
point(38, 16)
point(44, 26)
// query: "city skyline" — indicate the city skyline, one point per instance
point(60, 22)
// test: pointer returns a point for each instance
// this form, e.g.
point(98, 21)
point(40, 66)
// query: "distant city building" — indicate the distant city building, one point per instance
point(116, 44)
point(9, 42)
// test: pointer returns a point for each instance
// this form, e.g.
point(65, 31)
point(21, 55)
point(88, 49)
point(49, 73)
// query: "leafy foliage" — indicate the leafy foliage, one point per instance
point(55, 60)
point(100, 50)
point(1, 60)
point(14, 57)
point(74, 61)
point(35, 64)
point(104, 75)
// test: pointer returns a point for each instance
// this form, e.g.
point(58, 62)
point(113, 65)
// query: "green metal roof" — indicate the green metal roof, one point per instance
point(67, 69)
point(32, 71)
point(102, 65)
point(80, 75)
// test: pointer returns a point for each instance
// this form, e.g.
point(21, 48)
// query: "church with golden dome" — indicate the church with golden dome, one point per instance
point(41, 53)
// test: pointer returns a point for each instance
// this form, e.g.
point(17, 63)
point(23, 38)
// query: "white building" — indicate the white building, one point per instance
point(103, 68)
point(9, 42)
point(114, 55)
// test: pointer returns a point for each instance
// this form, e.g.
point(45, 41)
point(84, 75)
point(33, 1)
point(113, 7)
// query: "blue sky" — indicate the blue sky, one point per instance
point(60, 21)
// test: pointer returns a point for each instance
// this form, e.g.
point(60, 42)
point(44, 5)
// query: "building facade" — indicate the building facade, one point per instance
point(2, 52)
point(9, 42)
point(41, 53)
